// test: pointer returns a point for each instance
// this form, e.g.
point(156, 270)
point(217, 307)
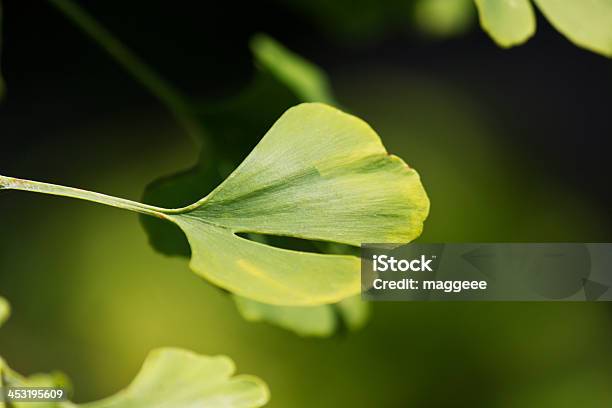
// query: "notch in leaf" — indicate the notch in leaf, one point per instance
point(317, 174)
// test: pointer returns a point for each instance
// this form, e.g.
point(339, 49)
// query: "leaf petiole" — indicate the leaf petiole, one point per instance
point(11, 183)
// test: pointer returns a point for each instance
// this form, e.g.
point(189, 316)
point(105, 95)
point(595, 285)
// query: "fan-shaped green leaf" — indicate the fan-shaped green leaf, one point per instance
point(508, 22)
point(318, 174)
point(281, 79)
point(587, 23)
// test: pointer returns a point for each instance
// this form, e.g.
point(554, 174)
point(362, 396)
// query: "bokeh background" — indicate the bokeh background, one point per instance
point(510, 144)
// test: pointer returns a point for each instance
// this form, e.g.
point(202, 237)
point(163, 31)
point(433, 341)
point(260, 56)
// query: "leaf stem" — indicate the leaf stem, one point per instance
point(11, 183)
point(171, 97)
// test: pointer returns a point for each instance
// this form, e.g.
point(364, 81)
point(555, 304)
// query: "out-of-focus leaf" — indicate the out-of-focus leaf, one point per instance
point(5, 310)
point(307, 80)
point(316, 321)
point(169, 378)
point(508, 22)
point(356, 21)
point(317, 174)
point(443, 18)
point(587, 23)
point(303, 320)
point(354, 312)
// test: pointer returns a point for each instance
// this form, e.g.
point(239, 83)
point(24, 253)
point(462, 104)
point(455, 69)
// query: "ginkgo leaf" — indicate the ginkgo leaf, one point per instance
point(354, 312)
point(318, 321)
point(587, 23)
point(181, 379)
point(282, 78)
point(303, 320)
point(508, 22)
point(317, 174)
point(170, 377)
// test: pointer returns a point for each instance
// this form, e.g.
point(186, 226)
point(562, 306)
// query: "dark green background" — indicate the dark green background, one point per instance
point(510, 146)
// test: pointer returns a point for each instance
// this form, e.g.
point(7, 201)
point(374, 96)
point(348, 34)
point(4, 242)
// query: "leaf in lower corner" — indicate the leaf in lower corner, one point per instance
point(182, 379)
point(508, 22)
point(587, 23)
point(169, 378)
point(317, 174)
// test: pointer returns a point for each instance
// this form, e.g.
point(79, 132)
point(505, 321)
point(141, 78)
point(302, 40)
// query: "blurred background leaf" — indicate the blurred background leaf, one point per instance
point(443, 18)
point(508, 22)
point(587, 23)
point(5, 310)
